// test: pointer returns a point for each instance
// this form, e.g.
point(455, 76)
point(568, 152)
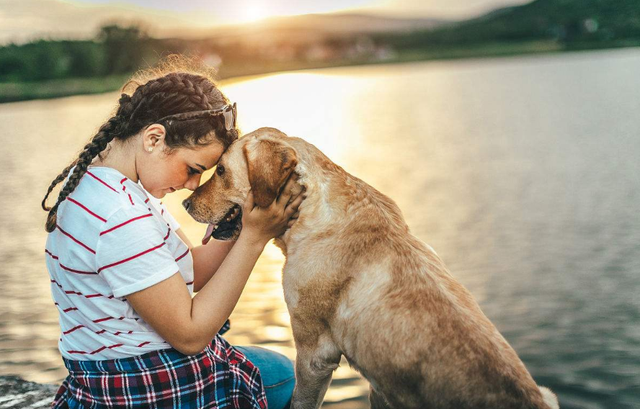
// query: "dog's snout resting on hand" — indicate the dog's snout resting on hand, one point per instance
point(358, 284)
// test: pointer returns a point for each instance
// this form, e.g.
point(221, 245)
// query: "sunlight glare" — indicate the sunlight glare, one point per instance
point(254, 12)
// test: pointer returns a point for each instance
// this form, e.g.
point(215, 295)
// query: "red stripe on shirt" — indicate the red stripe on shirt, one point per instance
point(168, 232)
point(77, 293)
point(73, 329)
point(74, 239)
point(101, 181)
point(130, 258)
point(86, 209)
point(143, 344)
point(76, 271)
point(124, 189)
point(127, 222)
point(103, 319)
point(53, 256)
point(65, 291)
point(183, 254)
point(102, 348)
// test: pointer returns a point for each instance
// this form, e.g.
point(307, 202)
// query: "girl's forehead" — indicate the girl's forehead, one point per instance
point(207, 155)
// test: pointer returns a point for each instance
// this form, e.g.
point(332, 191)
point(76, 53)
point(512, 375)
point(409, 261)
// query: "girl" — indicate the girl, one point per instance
point(123, 273)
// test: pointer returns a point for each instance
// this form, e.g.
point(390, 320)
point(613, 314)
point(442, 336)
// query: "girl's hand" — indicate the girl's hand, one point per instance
point(263, 224)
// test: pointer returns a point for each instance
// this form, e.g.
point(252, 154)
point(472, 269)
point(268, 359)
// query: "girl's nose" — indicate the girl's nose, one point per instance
point(193, 183)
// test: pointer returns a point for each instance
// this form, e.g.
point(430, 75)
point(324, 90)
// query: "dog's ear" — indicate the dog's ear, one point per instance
point(270, 163)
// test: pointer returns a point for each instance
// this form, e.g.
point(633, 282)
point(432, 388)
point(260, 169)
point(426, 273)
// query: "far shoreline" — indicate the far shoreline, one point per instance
point(52, 89)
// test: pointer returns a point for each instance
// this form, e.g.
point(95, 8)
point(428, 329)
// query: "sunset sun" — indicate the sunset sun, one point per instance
point(254, 12)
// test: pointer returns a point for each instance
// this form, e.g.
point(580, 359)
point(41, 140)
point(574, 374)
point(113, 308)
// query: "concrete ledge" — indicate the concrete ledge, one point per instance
point(15, 393)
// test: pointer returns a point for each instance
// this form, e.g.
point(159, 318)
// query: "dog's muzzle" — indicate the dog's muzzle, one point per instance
point(226, 229)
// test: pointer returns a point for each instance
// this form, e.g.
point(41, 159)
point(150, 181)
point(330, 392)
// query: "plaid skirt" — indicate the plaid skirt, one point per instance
point(218, 377)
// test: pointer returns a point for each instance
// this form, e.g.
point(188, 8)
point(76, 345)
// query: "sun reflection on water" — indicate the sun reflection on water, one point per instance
point(317, 107)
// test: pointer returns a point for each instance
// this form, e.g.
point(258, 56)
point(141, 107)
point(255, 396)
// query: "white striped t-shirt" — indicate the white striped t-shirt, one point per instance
point(112, 240)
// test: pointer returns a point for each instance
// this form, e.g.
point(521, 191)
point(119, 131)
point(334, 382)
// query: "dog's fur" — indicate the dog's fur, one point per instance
point(358, 284)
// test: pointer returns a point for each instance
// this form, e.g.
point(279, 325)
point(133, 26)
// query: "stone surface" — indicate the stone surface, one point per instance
point(15, 393)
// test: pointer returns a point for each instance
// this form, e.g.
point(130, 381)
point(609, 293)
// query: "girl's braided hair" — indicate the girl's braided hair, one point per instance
point(155, 97)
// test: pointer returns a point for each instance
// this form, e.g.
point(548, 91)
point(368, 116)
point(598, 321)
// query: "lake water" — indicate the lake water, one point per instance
point(523, 173)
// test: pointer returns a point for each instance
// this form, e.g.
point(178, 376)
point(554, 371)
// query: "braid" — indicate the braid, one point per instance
point(175, 89)
point(182, 84)
point(55, 183)
point(91, 150)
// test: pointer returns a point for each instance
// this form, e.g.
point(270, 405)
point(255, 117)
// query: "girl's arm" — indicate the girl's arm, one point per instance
point(207, 259)
point(189, 324)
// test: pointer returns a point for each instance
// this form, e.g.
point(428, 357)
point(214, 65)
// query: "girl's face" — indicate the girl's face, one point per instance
point(161, 171)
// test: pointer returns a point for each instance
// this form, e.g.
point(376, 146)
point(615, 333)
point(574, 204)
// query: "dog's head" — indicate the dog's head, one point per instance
point(262, 162)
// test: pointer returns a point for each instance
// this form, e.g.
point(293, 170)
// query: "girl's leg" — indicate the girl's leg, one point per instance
point(278, 376)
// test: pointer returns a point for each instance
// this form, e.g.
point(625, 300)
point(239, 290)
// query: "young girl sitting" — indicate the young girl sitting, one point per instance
point(123, 274)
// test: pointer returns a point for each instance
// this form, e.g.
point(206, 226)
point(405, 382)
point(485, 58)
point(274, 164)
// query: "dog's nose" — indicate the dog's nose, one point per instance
point(187, 204)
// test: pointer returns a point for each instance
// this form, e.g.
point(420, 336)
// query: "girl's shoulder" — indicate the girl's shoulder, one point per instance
point(104, 191)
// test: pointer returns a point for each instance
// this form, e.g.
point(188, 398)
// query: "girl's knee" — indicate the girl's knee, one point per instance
point(277, 372)
point(274, 367)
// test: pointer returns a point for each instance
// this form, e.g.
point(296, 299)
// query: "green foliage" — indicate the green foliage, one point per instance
point(116, 50)
point(45, 60)
point(123, 48)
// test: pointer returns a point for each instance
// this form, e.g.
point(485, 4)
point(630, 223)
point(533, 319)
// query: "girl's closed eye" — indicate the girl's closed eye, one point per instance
point(193, 171)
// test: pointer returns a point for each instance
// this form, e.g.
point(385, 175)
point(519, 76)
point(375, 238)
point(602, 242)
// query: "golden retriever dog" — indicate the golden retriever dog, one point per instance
point(358, 284)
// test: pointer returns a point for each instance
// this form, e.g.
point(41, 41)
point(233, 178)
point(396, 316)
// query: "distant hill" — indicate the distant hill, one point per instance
point(562, 20)
point(355, 23)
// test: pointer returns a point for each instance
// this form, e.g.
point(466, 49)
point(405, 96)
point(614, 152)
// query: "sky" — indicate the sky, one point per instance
point(24, 20)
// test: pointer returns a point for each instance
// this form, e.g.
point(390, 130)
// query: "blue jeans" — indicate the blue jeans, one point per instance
point(278, 376)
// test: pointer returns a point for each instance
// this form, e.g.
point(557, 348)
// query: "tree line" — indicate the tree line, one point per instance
point(115, 50)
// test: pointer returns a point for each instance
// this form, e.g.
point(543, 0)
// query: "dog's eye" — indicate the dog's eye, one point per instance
point(220, 170)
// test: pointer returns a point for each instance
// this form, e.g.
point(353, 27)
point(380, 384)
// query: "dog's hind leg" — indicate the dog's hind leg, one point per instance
point(314, 367)
point(377, 400)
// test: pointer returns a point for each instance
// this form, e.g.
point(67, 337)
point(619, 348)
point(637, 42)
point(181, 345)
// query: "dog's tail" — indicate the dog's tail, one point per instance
point(549, 398)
